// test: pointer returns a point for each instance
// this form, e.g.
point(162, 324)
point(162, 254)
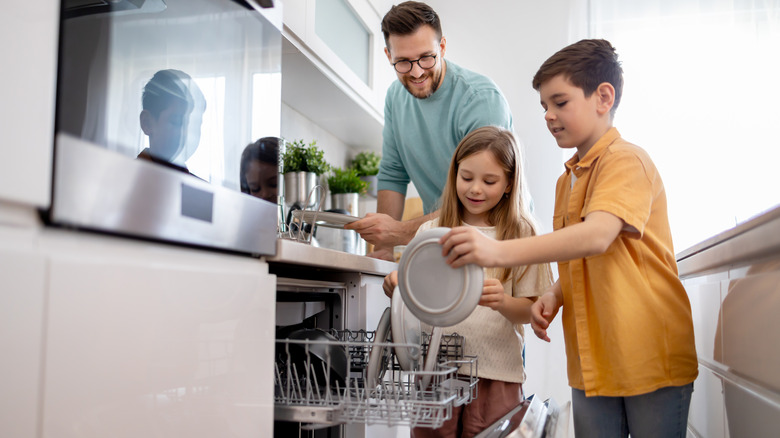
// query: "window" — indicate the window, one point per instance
point(700, 96)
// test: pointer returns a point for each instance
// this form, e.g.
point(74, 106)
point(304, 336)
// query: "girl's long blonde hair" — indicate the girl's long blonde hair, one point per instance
point(511, 216)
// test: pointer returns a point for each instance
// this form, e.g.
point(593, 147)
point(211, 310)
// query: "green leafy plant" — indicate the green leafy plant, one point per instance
point(366, 163)
point(299, 157)
point(346, 181)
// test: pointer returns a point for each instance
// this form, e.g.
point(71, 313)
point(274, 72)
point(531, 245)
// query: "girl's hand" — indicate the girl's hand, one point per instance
point(464, 245)
point(543, 311)
point(493, 294)
point(390, 282)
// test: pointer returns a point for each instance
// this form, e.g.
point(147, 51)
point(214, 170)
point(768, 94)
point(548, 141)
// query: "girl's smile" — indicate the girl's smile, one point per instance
point(481, 183)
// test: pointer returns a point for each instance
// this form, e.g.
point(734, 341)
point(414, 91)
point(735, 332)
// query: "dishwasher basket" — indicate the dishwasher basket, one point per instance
point(307, 391)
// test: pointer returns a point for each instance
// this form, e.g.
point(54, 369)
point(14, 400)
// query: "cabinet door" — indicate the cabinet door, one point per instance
point(346, 36)
point(21, 336)
point(168, 344)
point(29, 31)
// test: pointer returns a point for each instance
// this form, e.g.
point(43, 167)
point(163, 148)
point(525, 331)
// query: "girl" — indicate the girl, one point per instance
point(485, 190)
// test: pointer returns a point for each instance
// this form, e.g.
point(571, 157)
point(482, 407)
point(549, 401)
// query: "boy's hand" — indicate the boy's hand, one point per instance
point(390, 282)
point(464, 245)
point(543, 311)
point(493, 295)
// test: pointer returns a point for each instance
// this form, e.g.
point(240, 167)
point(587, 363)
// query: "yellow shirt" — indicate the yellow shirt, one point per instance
point(626, 316)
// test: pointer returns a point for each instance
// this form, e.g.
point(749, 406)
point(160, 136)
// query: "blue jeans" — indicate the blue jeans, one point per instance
point(661, 413)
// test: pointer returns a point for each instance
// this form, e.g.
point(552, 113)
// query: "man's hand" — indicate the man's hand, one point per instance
point(464, 245)
point(381, 230)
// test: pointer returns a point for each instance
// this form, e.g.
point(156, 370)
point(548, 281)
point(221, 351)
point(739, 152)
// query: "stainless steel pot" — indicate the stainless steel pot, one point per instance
point(298, 186)
point(348, 241)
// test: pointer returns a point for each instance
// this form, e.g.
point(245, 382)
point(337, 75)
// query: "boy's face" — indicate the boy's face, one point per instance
point(576, 121)
point(421, 83)
point(177, 128)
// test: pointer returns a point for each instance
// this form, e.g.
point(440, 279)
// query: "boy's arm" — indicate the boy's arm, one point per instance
point(463, 245)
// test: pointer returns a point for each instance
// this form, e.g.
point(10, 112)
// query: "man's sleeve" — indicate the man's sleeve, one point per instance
point(392, 173)
point(485, 108)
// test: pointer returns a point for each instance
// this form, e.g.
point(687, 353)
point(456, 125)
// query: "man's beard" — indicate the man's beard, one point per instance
point(435, 78)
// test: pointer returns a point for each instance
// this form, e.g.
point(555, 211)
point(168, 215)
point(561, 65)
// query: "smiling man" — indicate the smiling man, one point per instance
point(431, 107)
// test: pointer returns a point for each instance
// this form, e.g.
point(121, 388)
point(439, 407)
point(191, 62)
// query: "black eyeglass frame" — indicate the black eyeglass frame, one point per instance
point(412, 61)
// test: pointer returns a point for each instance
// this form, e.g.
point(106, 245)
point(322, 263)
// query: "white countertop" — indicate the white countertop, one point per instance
point(297, 253)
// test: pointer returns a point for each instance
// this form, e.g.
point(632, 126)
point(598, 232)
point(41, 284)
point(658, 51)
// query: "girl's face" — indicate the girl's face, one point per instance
point(480, 184)
point(262, 179)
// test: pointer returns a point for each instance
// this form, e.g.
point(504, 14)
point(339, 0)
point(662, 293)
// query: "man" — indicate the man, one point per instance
point(431, 107)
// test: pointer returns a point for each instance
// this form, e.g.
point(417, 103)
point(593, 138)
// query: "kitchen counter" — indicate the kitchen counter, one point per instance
point(297, 253)
point(753, 239)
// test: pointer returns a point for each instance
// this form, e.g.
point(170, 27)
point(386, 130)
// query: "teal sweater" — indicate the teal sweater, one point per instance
point(420, 135)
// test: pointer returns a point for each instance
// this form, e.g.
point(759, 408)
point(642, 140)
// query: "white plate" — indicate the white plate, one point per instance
point(324, 218)
point(430, 358)
point(433, 291)
point(376, 357)
point(406, 329)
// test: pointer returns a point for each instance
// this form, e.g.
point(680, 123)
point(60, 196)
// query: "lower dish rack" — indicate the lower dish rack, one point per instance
point(313, 388)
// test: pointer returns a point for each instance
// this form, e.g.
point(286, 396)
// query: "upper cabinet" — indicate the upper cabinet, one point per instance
point(334, 70)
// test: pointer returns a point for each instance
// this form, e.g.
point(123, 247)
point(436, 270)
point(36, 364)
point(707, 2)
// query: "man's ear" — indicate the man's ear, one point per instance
point(146, 122)
point(443, 46)
point(605, 93)
point(389, 58)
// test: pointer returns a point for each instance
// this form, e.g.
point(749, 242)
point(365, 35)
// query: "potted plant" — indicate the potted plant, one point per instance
point(367, 166)
point(302, 165)
point(345, 186)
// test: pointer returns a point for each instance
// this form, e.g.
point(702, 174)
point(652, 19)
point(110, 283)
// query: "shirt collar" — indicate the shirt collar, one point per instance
point(593, 153)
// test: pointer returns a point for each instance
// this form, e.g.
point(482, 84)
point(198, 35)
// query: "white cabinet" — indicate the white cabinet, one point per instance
point(29, 32)
point(334, 70)
point(22, 282)
point(104, 336)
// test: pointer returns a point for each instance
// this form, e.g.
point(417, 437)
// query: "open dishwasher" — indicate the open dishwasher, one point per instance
point(312, 389)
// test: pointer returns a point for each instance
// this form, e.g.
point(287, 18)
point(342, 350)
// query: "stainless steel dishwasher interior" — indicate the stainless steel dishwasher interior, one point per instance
point(308, 304)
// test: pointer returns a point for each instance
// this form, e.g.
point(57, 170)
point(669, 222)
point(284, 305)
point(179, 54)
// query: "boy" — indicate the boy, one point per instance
point(626, 316)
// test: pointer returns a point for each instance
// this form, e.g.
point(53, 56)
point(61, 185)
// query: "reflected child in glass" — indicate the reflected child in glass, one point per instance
point(173, 107)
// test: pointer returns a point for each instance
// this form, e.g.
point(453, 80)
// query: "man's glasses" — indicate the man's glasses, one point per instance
point(425, 62)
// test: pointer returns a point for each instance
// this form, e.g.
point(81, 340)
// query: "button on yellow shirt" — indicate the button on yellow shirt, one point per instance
point(626, 316)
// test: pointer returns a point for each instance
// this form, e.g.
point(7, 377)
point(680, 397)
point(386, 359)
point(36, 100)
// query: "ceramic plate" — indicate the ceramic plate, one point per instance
point(376, 357)
point(406, 329)
point(430, 358)
point(433, 291)
point(324, 218)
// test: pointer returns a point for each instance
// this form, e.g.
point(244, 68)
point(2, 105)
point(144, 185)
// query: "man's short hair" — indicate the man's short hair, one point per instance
point(407, 17)
point(586, 64)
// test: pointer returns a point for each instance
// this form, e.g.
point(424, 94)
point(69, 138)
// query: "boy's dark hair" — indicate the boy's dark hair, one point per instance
point(165, 87)
point(407, 17)
point(586, 64)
